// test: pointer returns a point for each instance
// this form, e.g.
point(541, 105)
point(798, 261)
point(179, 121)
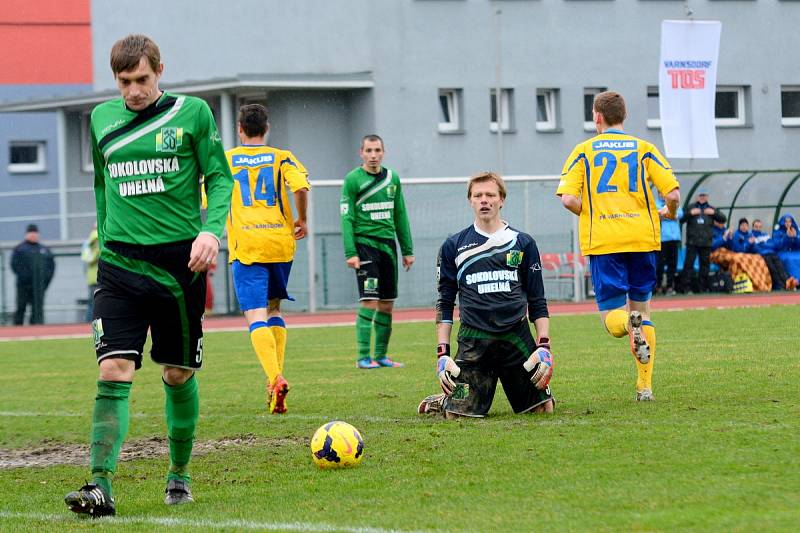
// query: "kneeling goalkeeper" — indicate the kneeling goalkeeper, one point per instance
point(496, 272)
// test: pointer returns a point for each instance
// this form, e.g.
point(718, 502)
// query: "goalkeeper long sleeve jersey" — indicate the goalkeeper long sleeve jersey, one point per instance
point(496, 277)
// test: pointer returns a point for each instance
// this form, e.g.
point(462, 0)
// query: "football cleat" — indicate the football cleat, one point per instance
point(91, 499)
point(645, 395)
point(388, 363)
point(277, 402)
point(432, 405)
point(366, 364)
point(178, 492)
point(639, 345)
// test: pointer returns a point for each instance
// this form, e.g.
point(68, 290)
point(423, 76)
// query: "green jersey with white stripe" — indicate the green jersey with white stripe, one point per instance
point(147, 169)
point(372, 207)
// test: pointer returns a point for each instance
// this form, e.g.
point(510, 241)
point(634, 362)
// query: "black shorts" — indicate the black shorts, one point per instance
point(141, 287)
point(485, 357)
point(377, 276)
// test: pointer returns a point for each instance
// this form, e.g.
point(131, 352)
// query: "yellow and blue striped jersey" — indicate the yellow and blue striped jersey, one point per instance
point(260, 223)
point(611, 174)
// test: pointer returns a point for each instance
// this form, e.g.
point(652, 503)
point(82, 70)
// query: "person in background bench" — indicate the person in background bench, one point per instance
point(743, 241)
point(670, 246)
point(784, 236)
point(763, 241)
point(757, 231)
point(735, 252)
point(721, 236)
point(784, 239)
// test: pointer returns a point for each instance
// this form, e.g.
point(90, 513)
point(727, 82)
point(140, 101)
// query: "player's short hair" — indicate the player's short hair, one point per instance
point(371, 137)
point(612, 106)
point(128, 51)
point(253, 120)
point(487, 176)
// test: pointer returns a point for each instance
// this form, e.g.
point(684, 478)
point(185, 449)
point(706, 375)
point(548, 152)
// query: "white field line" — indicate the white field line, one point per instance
point(234, 524)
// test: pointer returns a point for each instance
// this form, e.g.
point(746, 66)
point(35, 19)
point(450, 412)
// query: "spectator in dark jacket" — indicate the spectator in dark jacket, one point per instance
point(34, 267)
point(699, 219)
point(743, 240)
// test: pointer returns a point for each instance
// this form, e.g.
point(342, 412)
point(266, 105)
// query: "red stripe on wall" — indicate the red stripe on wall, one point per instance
point(45, 11)
point(45, 54)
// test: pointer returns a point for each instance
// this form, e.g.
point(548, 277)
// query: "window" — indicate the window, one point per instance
point(653, 110)
point(790, 105)
point(546, 109)
point(729, 106)
point(449, 110)
point(86, 144)
point(588, 104)
point(506, 104)
point(26, 157)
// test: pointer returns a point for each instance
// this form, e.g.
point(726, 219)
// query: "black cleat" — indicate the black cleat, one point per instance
point(178, 492)
point(91, 499)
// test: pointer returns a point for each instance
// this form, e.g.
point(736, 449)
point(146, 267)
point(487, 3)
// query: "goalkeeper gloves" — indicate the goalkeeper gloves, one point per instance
point(540, 364)
point(446, 368)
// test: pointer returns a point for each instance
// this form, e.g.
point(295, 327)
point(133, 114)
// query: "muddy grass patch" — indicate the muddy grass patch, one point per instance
point(51, 453)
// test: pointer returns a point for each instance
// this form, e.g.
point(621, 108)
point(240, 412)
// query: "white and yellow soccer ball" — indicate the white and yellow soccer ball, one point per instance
point(337, 444)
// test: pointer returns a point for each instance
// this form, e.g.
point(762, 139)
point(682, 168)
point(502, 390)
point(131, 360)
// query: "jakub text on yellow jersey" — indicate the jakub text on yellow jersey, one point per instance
point(612, 174)
point(260, 223)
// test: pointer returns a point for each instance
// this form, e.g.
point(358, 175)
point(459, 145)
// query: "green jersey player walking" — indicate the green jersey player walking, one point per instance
point(149, 149)
point(373, 215)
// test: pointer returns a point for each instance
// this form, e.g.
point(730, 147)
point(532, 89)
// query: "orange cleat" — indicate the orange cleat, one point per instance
point(277, 402)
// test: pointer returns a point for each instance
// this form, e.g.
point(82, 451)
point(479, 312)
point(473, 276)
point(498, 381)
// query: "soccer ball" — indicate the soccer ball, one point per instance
point(337, 444)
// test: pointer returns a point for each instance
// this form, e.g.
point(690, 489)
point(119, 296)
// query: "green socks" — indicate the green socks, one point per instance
point(364, 331)
point(383, 330)
point(183, 409)
point(109, 427)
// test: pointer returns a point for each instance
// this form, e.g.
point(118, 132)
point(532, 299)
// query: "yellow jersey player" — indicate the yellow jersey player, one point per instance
point(261, 240)
point(606, 182)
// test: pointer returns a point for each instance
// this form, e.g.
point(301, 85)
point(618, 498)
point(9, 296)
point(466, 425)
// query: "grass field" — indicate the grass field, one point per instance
point(719, 450)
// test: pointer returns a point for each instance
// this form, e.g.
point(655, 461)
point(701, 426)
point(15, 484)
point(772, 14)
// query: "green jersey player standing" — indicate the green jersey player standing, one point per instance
point(373, 215)
point(149, 149)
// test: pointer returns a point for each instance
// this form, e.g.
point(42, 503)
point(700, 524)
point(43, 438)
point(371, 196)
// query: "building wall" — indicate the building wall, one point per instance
point(201, 39)
point(27, 198)
point(45, 42)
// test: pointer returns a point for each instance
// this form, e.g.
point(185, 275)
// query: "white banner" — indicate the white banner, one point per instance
point(687, 82)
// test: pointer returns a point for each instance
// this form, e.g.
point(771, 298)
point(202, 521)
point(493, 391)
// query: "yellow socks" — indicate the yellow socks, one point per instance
point(617, 322)
point(278, 328)
point(264, 344)
point(645, 372)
